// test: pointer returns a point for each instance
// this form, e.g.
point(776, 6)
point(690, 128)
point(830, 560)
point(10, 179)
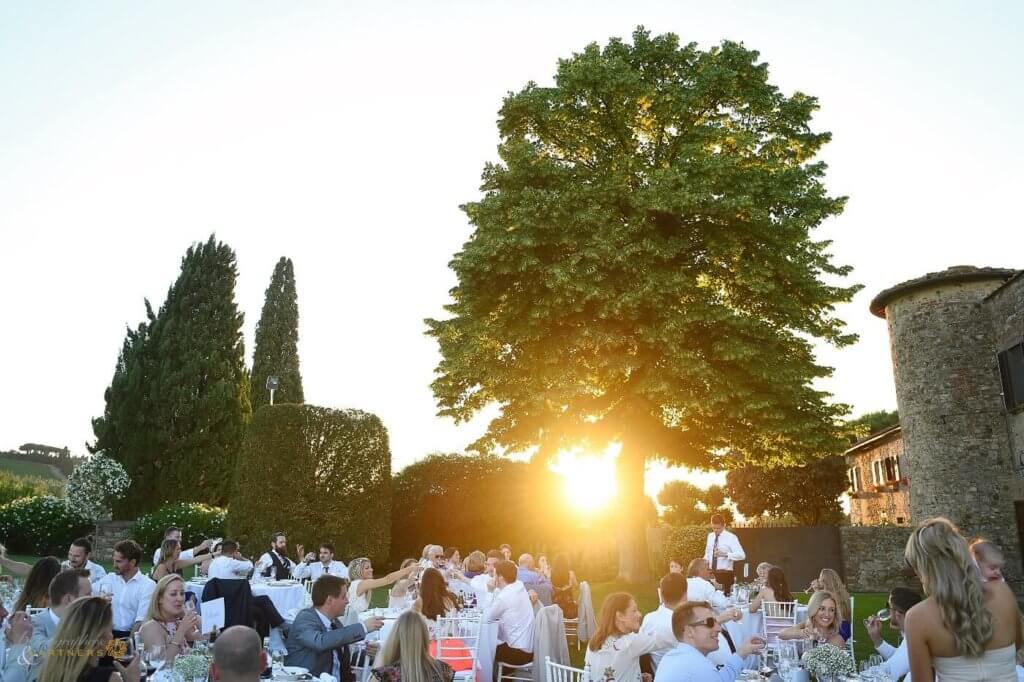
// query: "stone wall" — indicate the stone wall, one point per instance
point(873, 557)
point(1006, 306)
point(108, 534)
point(870, 507)
point(951, 411)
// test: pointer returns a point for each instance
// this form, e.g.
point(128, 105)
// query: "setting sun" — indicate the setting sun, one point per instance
point(589, 479)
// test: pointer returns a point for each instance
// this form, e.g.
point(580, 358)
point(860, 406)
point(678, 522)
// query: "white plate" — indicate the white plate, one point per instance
point(294, 669)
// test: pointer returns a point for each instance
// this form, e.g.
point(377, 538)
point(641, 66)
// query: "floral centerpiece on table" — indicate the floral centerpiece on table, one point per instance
point(193, 666)
point(828, 660)
point(93, 485)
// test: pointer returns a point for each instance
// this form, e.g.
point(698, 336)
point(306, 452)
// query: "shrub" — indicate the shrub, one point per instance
point(94, 485)
point(319, 475)
point(684, 543)
point(41, 525)
point(14, 487)
point(196, 521)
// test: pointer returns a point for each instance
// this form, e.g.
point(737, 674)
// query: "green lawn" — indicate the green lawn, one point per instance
point(29, 468)
point(646, 595)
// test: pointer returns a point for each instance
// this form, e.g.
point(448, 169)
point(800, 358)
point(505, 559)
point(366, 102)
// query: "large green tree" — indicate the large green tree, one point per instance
point(687, 505)
point(178, 403)
point(809, 492)
point(277, 339)
point(642, 269)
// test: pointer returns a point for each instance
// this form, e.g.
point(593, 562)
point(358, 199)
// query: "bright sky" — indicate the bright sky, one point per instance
point(345, 136)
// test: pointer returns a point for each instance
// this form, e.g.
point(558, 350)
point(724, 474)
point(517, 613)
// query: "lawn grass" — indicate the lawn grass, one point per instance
point(20, 468)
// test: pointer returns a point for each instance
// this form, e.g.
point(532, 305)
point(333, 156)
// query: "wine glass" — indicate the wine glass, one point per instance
point(883, 615)
point(154, 657)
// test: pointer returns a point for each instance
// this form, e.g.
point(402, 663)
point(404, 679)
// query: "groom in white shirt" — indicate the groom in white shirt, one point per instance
point(721, 550)
point(896, 662)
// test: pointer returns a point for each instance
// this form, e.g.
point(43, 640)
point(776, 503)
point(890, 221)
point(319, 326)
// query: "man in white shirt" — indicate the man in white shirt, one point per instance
point(483, 584)
point(230, 565)
point(78, 558)
point(721, 550)
point(174, 533)
point(896, 662)
point(66, 587)
point(697, 630)
point(512, 610)
point(325, 566)
point(274, 564)
point(131, 589)
point(700, 588)
point(672, 589)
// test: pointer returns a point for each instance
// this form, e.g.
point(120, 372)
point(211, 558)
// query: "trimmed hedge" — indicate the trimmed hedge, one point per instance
point(684, 543)
point(196, 521)
point(318, 475)
point(41, 525)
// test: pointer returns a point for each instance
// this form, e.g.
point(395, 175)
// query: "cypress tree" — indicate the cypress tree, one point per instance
point(277, 338)
point(178, 403)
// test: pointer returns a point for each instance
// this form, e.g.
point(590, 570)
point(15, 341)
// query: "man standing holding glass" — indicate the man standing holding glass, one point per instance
point(721, 550)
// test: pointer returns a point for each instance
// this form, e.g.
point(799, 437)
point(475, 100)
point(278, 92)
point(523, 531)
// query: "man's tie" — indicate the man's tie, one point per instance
point(714, 555)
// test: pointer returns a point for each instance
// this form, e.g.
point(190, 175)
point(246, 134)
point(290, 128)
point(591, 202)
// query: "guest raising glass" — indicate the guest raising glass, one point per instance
point(821, 625)
point(168, 622)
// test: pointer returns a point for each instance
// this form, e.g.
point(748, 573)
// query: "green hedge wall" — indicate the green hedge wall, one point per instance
point(682, 542)
point(41, 526)
point(196, 521)
point(319, 475)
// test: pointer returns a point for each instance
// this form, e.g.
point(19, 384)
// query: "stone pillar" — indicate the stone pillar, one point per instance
point(108, 534)
point(949, 395)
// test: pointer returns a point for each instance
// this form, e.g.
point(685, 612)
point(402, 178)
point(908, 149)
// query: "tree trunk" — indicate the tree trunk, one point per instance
point(634, 566)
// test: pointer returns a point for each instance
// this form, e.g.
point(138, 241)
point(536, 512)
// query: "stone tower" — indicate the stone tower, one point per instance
point(950, 400)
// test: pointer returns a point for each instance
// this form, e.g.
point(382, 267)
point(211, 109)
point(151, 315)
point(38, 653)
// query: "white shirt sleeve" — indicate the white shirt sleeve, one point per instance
point(498, 607)
point(187, 554)
point(899, 662)
point(736, 552)
point(145, 595)
point(301, 571)
point(240, 567)
point(263, 562)
point(885, 649)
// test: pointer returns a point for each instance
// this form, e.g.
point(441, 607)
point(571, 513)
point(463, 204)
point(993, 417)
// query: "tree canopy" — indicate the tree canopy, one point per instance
point(277, 340)
point(642, 270)
point(178, 402)
point(686, 504)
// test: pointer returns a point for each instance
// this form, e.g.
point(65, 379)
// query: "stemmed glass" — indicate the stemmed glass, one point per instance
point(153, 655)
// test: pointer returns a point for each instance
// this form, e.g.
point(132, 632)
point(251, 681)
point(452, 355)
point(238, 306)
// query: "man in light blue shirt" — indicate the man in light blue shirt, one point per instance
point(695, 626)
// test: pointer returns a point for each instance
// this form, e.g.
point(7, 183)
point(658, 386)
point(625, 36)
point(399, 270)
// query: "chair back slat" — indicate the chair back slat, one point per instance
point(564, 673)
point(776, 617)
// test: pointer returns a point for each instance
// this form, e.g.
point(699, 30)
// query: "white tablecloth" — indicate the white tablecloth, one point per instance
point(751, 625)
point(286, 598)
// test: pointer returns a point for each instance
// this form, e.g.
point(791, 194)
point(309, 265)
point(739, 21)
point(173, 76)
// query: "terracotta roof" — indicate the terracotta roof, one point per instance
point(874, 439)
point(957, 273)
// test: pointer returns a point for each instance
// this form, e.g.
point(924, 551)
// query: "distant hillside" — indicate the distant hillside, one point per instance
point(29, 468)
point(47, 455)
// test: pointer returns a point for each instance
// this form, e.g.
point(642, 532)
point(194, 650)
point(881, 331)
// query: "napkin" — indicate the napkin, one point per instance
point(324, 677)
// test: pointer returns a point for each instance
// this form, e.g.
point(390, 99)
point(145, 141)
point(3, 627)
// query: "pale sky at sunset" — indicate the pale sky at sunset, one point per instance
point(345, 135)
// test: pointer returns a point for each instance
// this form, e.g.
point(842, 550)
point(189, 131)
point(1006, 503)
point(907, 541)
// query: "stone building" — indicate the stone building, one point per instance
point(957, 341)
point(879, 480)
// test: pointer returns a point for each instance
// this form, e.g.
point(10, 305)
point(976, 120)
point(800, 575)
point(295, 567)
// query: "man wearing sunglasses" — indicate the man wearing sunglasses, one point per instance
point(695, 626)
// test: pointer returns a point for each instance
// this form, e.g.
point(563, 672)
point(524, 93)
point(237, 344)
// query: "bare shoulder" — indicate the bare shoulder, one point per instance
point(923, 613)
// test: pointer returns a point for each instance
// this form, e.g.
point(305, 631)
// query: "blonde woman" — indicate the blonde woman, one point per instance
point(168, 623)
point(965, 629)
point(406, 655)
point(87, 628)
point(360, 572)
point(822, 624)
point(829, 581)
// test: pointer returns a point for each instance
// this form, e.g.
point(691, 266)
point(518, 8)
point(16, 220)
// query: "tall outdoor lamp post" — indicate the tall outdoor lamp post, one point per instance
point(272, 383)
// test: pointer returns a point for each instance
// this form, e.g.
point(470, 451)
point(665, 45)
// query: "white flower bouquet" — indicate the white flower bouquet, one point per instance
point(94, 484)
point(827, 660)
point(194, 666)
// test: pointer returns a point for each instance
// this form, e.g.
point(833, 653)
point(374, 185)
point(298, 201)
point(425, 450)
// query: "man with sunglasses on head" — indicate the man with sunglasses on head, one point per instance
point(901, 599)
point(695, 626)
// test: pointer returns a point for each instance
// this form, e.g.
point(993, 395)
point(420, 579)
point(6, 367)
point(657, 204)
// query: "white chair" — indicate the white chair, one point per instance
point(522, 673)
point(360, 661)
point(572, 628)
point(776, 617)
point(849, 642)
point(565, 673)
point(458, 641)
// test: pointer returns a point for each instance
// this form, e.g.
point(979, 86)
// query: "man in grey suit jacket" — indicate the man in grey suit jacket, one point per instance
point(317, 641)
point(66, 587)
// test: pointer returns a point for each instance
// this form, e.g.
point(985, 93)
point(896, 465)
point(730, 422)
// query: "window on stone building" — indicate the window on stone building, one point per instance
point(876, 473)
point(890, 469)
point(1011, 371)
point(855, 482)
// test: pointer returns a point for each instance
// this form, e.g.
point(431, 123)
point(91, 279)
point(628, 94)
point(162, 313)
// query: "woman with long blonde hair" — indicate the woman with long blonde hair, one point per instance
point(822, 624)
point(81, 639)
point(406, 655)
point(830, 581)
point(965, 629)
point(169, 624)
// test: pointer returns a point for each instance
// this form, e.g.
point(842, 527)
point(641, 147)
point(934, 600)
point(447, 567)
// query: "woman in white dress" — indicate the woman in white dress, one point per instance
point(615, 648)
point(360, 592)
point(965, 630)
